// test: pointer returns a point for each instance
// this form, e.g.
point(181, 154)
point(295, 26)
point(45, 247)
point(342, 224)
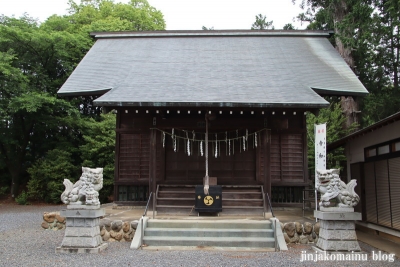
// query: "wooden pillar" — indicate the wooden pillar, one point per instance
point(267, 164)
point(153, 164)
point(116, 158)
point(305, 151)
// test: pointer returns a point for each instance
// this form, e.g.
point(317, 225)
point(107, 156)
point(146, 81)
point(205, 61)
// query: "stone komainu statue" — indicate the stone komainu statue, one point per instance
point(330, 186)
point(86, 190)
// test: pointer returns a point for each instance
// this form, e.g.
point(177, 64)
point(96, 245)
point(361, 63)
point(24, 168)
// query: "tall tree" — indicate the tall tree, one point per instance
point(334, 119)
point(350, 20)
point(261, 23)
point(35, 60)
point(381, 70)
point(370, 31)
point(34, 64)
point(288, 26)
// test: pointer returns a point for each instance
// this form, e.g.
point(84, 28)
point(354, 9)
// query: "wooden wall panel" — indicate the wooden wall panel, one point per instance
point(238, 168)
point(260, 160)
point(382, 193)
point(370, 193)
point(394, 174)
point(134, 154)
point(283, 161)
point(287, 158)
point(275, 156)
point(292, 157)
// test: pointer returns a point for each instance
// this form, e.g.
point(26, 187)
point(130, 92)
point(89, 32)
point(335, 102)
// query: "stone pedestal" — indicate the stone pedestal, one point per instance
point(337, 231)
point(82, 233)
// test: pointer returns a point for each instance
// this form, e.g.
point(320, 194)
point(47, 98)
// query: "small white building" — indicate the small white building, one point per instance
point(373, 159)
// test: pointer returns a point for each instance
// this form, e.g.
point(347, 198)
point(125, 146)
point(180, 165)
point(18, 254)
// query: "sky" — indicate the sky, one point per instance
point(181, 14)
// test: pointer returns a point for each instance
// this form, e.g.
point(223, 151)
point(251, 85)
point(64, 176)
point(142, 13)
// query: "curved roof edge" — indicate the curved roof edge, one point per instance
point(84, 93)
point(328, 92)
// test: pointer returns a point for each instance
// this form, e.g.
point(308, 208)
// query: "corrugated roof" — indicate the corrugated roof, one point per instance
point(206, 68)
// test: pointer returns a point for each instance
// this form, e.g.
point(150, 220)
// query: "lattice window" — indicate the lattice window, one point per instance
point(287, 157)
point(134, 154)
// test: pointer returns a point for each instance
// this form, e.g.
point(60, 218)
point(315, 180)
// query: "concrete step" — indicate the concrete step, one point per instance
point(209, 232)
point(210, 224)
point(257, 242)
point(210, 248)
point(241, 211)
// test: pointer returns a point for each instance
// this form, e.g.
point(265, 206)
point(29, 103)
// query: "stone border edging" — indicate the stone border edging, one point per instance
point(110, 230)
point(298, 233)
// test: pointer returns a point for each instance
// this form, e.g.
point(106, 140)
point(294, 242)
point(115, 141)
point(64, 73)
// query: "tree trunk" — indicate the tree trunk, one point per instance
point(350, 110)
point(15, 175)
point(14, 167)
point(340, 11)
point(348, 104)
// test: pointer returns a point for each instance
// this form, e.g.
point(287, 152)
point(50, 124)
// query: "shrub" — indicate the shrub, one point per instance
point(4, 190)
point(48, 174)
point(98, 150)
point(22, 199)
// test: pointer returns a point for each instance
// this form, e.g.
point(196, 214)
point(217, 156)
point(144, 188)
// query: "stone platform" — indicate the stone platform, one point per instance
point(82, 233)
point(337, 230)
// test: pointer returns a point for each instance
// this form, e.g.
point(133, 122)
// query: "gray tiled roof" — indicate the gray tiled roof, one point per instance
point(144, 69)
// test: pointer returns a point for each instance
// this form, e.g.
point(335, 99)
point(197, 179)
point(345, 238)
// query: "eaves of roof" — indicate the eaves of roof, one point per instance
point(341, 142)
point(212, 104)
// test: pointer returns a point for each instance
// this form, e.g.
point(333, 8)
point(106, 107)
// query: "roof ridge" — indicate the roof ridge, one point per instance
point(212, 33)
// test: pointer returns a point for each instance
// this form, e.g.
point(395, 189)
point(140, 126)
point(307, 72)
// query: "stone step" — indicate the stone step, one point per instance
point(175, 195)
point(242, 210)
point(209, 248)
point(241, 195)
point(210, 224)
point(226, 203)
point(209, 232)
point(242, 202)
point(257, 242)
point(177, 210)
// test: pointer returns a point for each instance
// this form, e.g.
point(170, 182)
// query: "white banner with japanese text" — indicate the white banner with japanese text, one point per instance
point(320, 148)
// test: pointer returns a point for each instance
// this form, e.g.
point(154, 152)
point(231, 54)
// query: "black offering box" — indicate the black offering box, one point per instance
point(211, 202)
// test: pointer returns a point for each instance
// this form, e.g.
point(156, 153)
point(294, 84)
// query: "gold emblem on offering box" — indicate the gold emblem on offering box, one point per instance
point(208, 200)
point(216, 197)
point(199, 197)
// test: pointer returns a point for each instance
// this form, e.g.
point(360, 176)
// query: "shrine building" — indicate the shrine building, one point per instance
point(251, 89)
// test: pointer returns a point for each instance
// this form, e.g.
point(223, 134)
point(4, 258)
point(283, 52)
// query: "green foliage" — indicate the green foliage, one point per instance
point(367, 35)
point(4, 190)
point(334, 119)
point(261, 23)
point(47, 176)
point(379, 105)
point(34, 64)
point(98, 150)
point(22, 199)
point(288, 26)
point(35, 60)
point(105, 15)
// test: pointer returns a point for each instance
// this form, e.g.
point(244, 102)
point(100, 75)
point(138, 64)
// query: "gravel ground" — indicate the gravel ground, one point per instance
point(24, 243)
